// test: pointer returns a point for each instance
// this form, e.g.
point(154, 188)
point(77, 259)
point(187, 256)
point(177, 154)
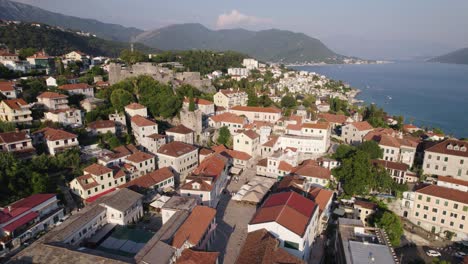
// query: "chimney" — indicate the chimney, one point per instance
point(9, 208)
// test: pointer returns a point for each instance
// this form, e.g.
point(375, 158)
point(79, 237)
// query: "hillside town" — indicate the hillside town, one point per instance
point(109, 160)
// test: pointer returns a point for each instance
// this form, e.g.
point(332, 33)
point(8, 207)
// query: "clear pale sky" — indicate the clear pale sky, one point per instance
point(372, 28)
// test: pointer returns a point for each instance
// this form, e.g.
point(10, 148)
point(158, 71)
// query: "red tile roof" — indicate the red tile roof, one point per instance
point(20, 222)
point(332, 118)
point(212, 166)
point(190, 256)
point(288, 209)
point(452, 180)
point(251, 134)
point(7, 86)
point(271, 142)
point(52, 95)
point(99, 124)
point(256, 109)
point(205, 151)
point(391, 165)
point(261, 247)
point(311, 170)
point(52, 134)
point(180, 129)
point(194, 227)
point(151, 179)
point(15, 103)
point(74, 86)
point(10, 137)
point(443, 148)
point(218, 148)
point(319, 125)
point(445, 193)
point(135, 106)
point(365, 204)
point(176, 149)
point(199, 101)
point(235, 154)
point(228, 118)
point(97, 169)
point(21, 206)
point(291, 182)
point(284, 166)
point(139, 156)
point(141, 121)
point(87, 181)
point(362, 126)
point(191, 181)
point(321, 196)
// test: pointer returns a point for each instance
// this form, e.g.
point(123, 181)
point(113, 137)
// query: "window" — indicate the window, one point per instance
point(434, 218)
point(442, 221)
point(461, 226)
point(428, 199)
point(446, 159)
point(437, 201)
point(446, 203)
point(426, 208)
point(455, 206)
point(444, 212)
point(465, 208)
point(292, 245)
point(419, 197)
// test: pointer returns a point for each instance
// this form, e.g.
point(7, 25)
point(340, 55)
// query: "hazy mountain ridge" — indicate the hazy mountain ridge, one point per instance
point(10, 10)
point(456, 57)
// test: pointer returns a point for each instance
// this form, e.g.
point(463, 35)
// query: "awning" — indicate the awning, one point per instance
point(235, 170)
point(95, 197)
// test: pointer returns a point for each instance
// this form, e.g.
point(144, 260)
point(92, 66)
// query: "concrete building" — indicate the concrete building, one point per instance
point(76, 56)
point(19, 143)
point(292, 219)
point(233, 122)
point(250, 64)
point(25, 218)
point(16, 111)
point(162, 179)
point(447, 158)
point(355, 243)
point(181, 157)
point(180, 133)
point(238, 73)
point(438, 209)
point(398, 171)
point(313, 174)
point(78, 88)
point(247, 141)
point(278, 165)
point(207, 181)
point(66, 117)
point(56, 140)
point(134, 109)
point(102, 127)
point(142, 128)
point(143, 163)
point(8, 89)
point(53, 101)
point(395, 148)
point(266, 114)
point(228, 98)
point(353, 133)
point(176, 204)
point(96, 179)
point(207, 107)
point(51, 81)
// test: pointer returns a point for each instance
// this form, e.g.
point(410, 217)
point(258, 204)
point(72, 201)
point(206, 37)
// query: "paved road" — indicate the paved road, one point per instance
point(418, 253)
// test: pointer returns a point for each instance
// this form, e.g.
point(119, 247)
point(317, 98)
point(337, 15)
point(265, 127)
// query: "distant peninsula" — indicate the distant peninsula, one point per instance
point(456, 57)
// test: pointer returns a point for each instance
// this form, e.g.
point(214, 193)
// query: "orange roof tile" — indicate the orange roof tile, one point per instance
point(52, 95)
point(141, 121)
point(180, 129)
point(228, 118)
point(362, 126)
point(190, 256)
point(75, 86)
point(97, 169)
point(445, 193)
point(101, 124)
point(199, 101)
point(7, 86)
point(332, 118)
point(176, 149)
point(139, 157)
point(256, 109)
point(150, 179)
point(194, 227)
point(135, 106)
point(444, 148)
point(53, 134)
point(15, 103)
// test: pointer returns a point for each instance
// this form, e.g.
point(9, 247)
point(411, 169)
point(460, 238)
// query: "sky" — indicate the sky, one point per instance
point(367, 28)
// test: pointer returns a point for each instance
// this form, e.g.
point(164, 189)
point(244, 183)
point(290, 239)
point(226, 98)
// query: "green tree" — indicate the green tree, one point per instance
point(372, 148)
point(120, 98)
point(343, 151)
point(132, 57)
point(7, 126)
point(224, 135)
point(26, 52)
point(288, 101)
point(355, 174)
point(391, 223)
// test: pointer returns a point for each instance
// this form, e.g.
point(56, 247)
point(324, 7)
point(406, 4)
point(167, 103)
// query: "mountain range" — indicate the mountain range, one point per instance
point(267, 45)
point(457, 57)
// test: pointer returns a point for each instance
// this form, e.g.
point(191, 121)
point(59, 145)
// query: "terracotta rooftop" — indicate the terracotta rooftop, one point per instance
point(194, 227)
point(135, 106)
point(180, 129)
point(97, 169)
point(99, 124)
point(311, 170)
point(262, 162)
point(21, 206)
point(142, 121)
point(332, 118)
point(7, 86)
point(320, 196)
point(10, 137)
point(52, 95)
point(52, 134)
point(203, 185)
point(15, 103)
point(319, 125)
point(284, 166)
point(228, 118)
point(291, 182)
point(151, 179)
point(261, 247)
point(362, 126)
point(190, 256)
point(176, 149)
point(87, 181)
point(256, 109)
point(212, 166)
point(445, 193)
point(235, 154)
point(452, 180)
point(271, 142)
point(205, 151)
point(74, 86)
point(139, 156)
point(391, 165)
point(251, 134)
point(288, 209)
point(199, 101)
point(451, 147)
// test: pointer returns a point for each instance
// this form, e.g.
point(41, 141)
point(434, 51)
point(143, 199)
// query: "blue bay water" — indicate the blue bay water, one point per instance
point(429, 94)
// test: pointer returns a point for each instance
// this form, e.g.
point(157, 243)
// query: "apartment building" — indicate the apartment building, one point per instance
point(447, 158)
point(205, 106)
point(313, 174)
point(247, 141)
point(279, 164)
point(233, 122)
point(66, 117)
point(142, 128)
point(395, 147)
point(228, 98)
point(143, 163)
point(16, 111)
point(96, 179)
point(56, 140)
point(181, 157)
point(102, 127)
point(78, 88)
point(53, 101)
point(254, 113)
point(162, 179)
point(180, 133)
point(398, 171)
point(134, 109)
point(19, 143)
point(8, 89)
point(353, 133)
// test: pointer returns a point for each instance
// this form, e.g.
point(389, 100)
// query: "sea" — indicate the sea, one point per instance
point(426, 94)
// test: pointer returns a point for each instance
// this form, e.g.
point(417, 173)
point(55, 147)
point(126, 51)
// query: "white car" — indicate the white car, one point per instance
point(460, 254)
point(433, 253)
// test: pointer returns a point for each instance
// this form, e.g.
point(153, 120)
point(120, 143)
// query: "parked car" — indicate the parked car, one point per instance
point(433, 253)
point(460, 254)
